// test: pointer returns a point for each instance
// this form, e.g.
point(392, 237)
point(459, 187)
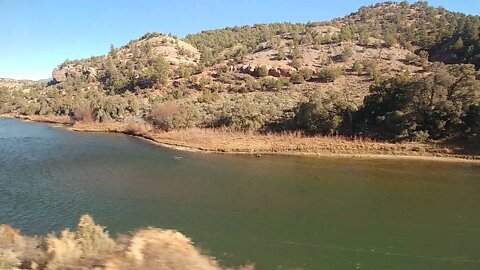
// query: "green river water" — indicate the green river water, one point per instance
point(279, 212)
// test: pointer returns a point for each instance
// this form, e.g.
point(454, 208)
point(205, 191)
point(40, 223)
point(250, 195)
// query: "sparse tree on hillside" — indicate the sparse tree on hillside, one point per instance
point(297, 77)
point(262, 71)
point(281, 54)
point(306, 73)
point(329, 74)
point(458, 44)
point(113, 52)
point(390, 40)
point(358, 67)
point(346, 54)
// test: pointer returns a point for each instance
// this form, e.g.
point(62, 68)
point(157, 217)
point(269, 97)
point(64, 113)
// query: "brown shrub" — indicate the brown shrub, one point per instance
point(161, 249)
point(90, 247)
point(137, 126)
point(83, 114)
point(15, 249)
point(64, 251)
point(169, 116)
point(88, 244)
point(163, 111)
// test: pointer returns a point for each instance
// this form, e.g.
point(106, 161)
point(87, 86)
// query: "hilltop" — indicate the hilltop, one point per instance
point(11, 84)
point(132, 56)
point(341, 77)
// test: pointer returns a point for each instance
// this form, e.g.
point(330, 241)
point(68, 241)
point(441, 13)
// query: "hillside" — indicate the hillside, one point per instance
point(342, 77)
point(132, 56)
point(23, 85)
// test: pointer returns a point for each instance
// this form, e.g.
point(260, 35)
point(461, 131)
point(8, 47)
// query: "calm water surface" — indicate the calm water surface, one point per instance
point(280, 212)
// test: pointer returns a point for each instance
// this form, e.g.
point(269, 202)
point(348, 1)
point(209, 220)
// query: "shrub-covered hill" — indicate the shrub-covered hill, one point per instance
point(22, 85)
point(345, 77)
point(414, 27)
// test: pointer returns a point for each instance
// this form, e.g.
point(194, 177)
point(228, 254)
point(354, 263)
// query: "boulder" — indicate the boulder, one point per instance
point(285, 72)
point(59, 75)
point(247, 69)
point(272, 71)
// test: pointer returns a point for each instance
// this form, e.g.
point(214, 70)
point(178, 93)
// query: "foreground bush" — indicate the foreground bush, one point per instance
point(90, 247)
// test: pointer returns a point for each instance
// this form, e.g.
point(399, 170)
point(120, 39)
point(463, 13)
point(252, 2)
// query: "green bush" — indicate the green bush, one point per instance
point(273, 84)
point(262, 71)
point(326, 114)
point(243, 116)
point(358, 67)
point(251, 84)
point(346, 54)
point(297, 78)
point(439, 106)
point(306, 73)
point(329, 74)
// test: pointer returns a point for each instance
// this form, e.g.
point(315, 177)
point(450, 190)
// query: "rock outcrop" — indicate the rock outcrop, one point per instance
point(173, 50)
point(73, 71)
point(272, 71)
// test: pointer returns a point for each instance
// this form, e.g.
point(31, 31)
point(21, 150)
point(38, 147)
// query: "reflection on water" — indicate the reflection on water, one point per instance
point(280, 212)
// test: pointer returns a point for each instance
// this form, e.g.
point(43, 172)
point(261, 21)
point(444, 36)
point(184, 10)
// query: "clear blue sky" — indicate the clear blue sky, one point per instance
point(37, 35)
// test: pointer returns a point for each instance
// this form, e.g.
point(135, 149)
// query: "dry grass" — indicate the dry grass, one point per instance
point(116, 127)
point(292, 143)
point(64, 120)
point(90, 247)
point(296, 143)
point(16, 249)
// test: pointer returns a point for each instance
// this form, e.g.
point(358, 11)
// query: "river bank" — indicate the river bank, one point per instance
point(222, 141)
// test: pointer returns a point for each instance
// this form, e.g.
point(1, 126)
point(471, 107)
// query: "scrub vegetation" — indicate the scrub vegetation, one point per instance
point(91, 247)
point(391, 72)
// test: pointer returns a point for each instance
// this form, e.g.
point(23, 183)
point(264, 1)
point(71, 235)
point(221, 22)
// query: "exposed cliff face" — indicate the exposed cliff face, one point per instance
point(275, 71)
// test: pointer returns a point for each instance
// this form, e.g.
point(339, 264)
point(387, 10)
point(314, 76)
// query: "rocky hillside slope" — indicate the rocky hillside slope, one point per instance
point(375, 42)
point(270, 76)
point(23, 85)
point(174, 51)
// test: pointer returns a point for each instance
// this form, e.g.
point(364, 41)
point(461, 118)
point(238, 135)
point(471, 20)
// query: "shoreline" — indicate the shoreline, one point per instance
point(239, 143)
